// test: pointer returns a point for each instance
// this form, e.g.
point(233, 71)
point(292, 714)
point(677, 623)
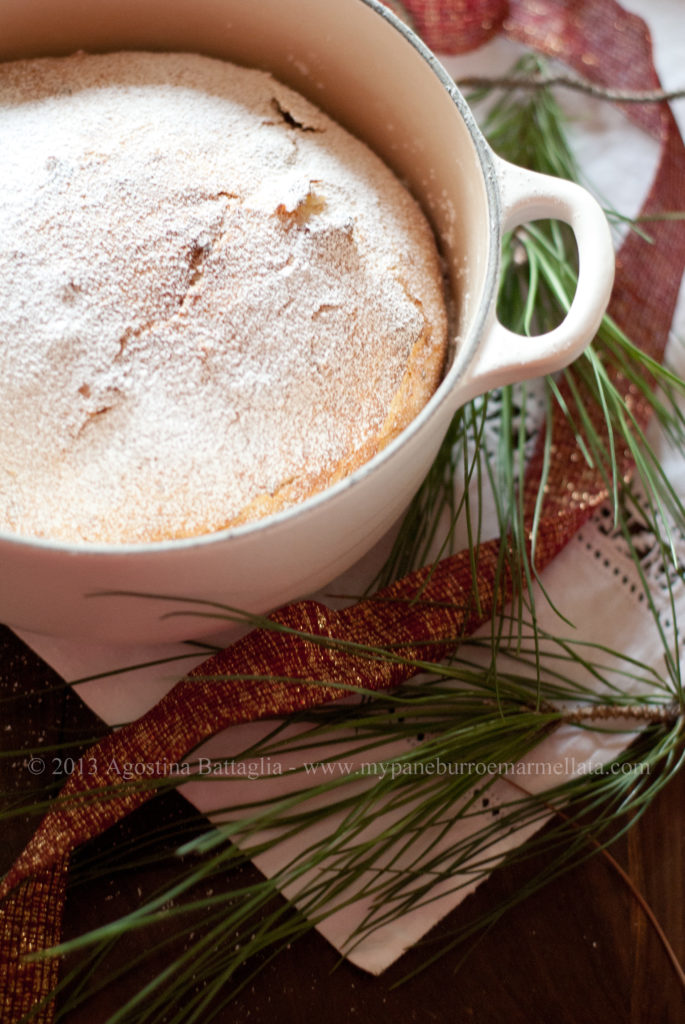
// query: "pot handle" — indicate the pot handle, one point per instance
point(505, 357)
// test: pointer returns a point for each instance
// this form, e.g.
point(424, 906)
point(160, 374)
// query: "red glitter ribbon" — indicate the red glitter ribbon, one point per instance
point(425, 614)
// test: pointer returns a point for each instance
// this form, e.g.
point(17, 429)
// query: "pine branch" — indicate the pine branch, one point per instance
point(544, 80)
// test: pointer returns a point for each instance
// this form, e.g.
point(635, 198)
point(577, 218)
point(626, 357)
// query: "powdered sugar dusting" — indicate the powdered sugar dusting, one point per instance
point(211, 297)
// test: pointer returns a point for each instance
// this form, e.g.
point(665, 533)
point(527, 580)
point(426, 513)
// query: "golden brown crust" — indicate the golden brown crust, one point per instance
point(420, 380)
point(203, 333)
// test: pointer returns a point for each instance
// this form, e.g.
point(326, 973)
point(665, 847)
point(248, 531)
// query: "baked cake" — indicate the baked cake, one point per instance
point(215, 302)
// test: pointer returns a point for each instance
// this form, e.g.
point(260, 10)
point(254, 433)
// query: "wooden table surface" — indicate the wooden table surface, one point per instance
point(582, 950)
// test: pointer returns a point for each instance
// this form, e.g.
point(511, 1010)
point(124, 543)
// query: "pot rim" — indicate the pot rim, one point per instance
point(468, 346)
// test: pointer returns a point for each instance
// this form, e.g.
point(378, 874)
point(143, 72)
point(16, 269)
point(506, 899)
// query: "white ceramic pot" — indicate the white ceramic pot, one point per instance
point(359, 63)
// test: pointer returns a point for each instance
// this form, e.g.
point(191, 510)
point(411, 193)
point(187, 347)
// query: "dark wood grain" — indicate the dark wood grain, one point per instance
point(581, 950)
